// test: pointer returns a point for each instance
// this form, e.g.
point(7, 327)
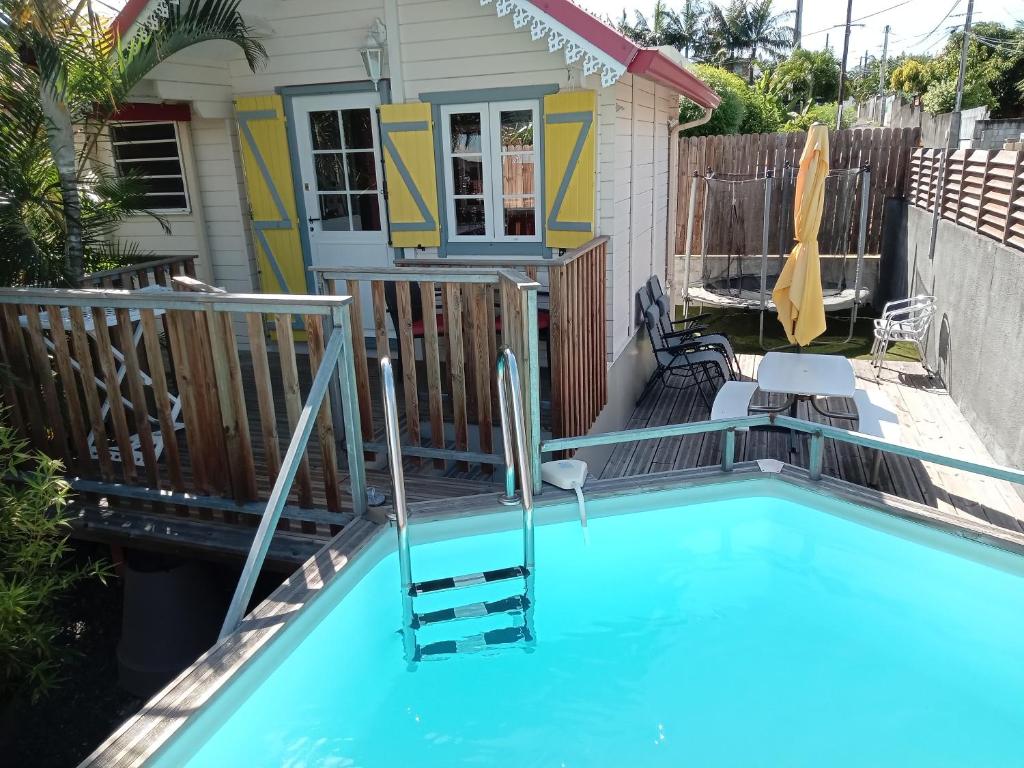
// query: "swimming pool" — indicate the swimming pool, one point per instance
point(752, 622)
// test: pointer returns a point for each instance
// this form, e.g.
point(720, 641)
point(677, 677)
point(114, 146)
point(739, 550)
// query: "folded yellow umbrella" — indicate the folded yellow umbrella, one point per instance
point(797, 294)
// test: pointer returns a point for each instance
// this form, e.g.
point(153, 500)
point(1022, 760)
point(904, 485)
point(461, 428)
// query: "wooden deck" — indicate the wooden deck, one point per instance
point(928, 416)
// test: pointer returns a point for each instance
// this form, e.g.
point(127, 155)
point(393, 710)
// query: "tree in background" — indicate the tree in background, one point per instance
point(995, 68)
point(805, 78)
point(742, 30)
point(684, 31)
point(62, 70)
point(729, 115)
point(911, 77)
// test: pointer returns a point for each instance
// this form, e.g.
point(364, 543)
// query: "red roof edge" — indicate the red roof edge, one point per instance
point(655, 65)
point(590, 28)
point(123, 21)
point(645, 62)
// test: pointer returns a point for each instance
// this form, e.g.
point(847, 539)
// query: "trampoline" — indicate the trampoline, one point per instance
point(745, 231)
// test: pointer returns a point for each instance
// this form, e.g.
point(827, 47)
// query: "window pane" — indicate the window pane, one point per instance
point(465, 132)
point(520, 216)
point(362, 170)
point(330, 172)
point(358, 131)
point(467, 176)
point(469, 217)
point(166, 202)
point(517, 130)
point(517, 174)
point(159, 149)
point(323, 127)
point(142, 132)
point(151, 167)
point(165, 185)
point(334, 213)
point(365, 213)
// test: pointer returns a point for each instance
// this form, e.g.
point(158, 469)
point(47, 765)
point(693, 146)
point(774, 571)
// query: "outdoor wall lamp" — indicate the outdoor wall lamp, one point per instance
point(373, 53)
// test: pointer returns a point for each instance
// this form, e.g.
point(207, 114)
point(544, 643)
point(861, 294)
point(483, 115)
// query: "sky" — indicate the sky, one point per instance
point(918, 26)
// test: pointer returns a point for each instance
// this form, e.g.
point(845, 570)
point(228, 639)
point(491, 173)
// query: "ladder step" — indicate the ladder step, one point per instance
point(469, 580)
point(516, 603)
point(475, 643)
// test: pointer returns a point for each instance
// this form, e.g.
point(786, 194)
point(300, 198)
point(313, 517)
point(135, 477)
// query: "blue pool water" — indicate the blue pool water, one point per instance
point(747, 632)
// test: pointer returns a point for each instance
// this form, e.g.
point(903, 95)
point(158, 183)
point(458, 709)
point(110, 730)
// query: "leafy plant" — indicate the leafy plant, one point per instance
point(729, 115)
point(763, 113)
point(805, 78)
point(820, 113)
point(62, 71)
point(35, 570)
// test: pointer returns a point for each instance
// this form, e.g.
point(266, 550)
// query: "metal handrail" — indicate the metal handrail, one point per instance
point(508, 376)
point(817, 431)
point(387, 380)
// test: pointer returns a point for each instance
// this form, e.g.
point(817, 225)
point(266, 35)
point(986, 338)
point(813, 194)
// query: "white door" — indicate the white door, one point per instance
point(342, 181)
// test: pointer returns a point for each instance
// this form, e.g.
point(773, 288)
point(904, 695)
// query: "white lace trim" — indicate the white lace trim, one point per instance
point(153, 13)
point(560, 37)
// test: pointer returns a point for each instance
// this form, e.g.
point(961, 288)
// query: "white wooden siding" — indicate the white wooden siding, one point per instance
point(444, 45)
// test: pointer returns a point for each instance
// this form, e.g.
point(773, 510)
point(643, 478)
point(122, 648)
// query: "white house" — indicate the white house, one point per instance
point(383, 130)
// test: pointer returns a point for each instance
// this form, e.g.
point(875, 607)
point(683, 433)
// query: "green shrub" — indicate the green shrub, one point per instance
point(35, 572)
point(941, 96)
point(728, 116)
point(820, 113)
point(763, 114)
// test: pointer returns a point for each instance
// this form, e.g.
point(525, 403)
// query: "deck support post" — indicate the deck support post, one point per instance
point(729, 450)
point(817, 455)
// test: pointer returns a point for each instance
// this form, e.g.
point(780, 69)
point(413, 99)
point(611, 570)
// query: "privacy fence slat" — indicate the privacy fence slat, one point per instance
point(982, 190)
point(751, 155)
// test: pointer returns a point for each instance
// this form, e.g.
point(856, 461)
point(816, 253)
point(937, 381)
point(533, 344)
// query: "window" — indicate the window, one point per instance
point(491, 171)
point(150, 150)
point(346, 169)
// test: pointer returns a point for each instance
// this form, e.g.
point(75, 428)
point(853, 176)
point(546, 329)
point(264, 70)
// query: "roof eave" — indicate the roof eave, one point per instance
point(654, 65)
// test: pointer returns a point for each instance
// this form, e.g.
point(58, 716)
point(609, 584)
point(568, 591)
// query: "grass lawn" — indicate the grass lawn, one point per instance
point(741, 326)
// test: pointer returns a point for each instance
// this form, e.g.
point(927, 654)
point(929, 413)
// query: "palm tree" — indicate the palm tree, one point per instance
point(683, 31)
point(745, 28)
point(61, 67)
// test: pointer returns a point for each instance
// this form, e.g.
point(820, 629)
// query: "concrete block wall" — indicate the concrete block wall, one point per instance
point(993, 134)
point(976, 343)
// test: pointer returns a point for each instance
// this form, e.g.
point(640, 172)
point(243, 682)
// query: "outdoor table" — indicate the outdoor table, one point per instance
point(805, 377)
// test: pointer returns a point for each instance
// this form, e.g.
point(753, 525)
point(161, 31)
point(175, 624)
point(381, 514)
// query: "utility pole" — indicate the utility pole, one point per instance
point(842, 66)
point(954, 143)
point(826, 42)
point(953, 137)
point(881, 73)
point(798, 24)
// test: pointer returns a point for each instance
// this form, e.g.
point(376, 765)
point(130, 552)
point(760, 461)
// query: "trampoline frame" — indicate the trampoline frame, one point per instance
point(762, 303)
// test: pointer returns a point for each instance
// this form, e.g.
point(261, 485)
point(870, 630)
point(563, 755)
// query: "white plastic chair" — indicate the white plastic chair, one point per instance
point(903, 320)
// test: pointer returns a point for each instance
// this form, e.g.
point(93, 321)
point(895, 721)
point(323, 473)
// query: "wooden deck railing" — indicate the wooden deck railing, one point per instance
point(143, 274)
point(979, 189)
point(448, 326)
point(573, 311)
point(148, 390)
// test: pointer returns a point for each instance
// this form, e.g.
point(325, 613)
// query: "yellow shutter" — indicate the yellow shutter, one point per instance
point(268, 179)
point(570, 167)
point(407, 137)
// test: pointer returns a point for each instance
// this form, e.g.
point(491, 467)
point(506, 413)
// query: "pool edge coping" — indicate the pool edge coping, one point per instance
point(141, 736)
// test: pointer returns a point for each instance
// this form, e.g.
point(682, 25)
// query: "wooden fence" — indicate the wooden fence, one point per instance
point(458, 318)
point(144, 273)
point(979, 189)
point(886, 150)
point(148, 391)
point(571, 325)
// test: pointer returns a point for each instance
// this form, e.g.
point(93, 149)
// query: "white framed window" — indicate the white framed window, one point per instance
point(153, 153)
point(492, 171)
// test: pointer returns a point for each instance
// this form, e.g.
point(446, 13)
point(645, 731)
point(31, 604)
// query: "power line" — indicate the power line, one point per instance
point(922, 38)
point(876, 13)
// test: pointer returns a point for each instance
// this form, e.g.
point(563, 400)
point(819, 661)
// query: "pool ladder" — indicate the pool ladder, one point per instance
point(509, 392)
